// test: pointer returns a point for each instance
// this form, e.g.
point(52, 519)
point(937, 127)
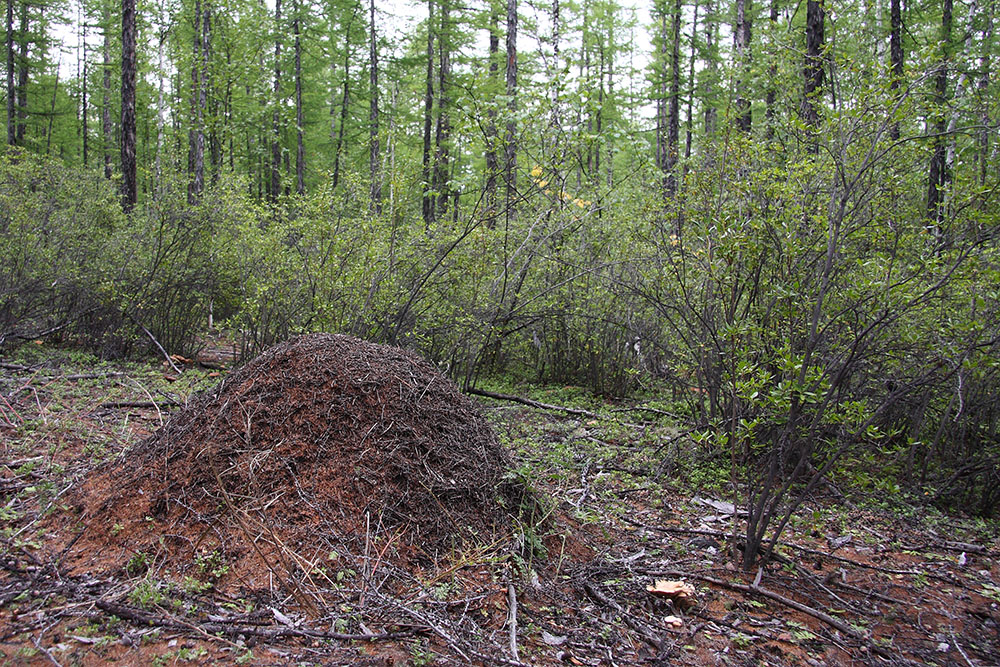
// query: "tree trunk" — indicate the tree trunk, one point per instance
point(11, 129)
point(985, 70)
point(274, 190)
point(106, 100)
point(196, 135)
point(741, 39)
point(492, 164)
point(84, 103)
point(442, 133)
point(22, 76)
point(373, 135)
point(711, 40)
point(427, 201)
point(345, 97)
point(772, 91)
point(510, 139)
point(813, 71)
point(300, 150)
point(895, 57)
point(129, 192)
point(937, 175)
point(673, 113)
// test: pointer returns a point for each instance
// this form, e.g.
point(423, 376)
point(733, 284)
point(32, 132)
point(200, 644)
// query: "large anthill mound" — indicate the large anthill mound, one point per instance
point(321, 441)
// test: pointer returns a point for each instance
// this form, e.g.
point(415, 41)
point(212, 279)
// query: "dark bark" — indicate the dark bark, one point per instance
point(345, 97)
point(492, 164)
point(937, 173)
point(772, 91)
point(22, 75)
point(510, 138)
point(84, 107)
point(442, 133)
point(129, 192)
point(374, 148)
point(741, 39)
point(985, 72)
point(274, 190)
point(813, 71)
point(895, 55)
point(106, 100)
point(300, 151)
point(428, 208)
point(711, 39)
point(196, 135)
point(11, 131)
point(673, 111)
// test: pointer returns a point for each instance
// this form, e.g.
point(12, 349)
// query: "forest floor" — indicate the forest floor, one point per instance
point(626, 500)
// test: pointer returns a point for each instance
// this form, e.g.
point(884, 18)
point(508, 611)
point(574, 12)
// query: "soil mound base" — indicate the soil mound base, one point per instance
point(322, 443)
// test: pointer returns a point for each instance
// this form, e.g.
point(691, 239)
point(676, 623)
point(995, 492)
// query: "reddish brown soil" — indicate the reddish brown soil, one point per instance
point(321, 444)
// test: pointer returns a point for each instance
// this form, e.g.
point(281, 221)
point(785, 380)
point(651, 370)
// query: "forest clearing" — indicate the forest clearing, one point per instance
point(501, 332)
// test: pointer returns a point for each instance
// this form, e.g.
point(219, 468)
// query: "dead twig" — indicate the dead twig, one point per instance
point(788, 602)
point(580, 412)
point(512, 616)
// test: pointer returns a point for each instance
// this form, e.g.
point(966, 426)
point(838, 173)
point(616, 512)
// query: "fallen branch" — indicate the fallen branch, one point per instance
point(111, 405)
point(535, 404)
point(512, 606)
point(268, 632)
point(788, 602)
point(155, 342)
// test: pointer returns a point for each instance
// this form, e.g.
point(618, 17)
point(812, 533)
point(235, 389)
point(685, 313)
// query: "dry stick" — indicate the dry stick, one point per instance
point(535, 404)
point(271, 632)
point(512, 606)
point(155, 342)
point(815, 552)
point(788, 602)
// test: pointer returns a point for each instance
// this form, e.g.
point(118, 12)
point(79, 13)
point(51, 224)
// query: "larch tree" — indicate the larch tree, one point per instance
point(374, 149)
point(129, 190)
point(510, 137)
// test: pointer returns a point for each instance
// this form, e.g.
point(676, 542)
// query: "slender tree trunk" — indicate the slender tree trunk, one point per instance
point(442, 134)
point(11, 129)
point(985, 71)
point(673, 112)
point(711, 67)
point(274, 189)
point(492, 164)
point(374, 148)
point(555, 120)
point(22, 75)
point(741, 38)
point(772, 90)
point(510, 139)
point(300, 150)
point(937, 174)
point(895, 57)
point(84, 103)
point(427, 201)
point(160, 106)
point(197, 133)
point(689, 114)
point(129, 193)
point(813, 71)
point(106, 101)
point(52, 112)
point(345, 97)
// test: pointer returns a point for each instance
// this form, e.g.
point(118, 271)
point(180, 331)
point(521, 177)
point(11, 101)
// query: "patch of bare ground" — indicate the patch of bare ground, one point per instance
point(255, 540)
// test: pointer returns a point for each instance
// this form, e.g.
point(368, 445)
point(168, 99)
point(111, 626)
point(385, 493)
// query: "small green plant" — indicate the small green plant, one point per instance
point(138, 564)
point(146, 594)
point(212, 564)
